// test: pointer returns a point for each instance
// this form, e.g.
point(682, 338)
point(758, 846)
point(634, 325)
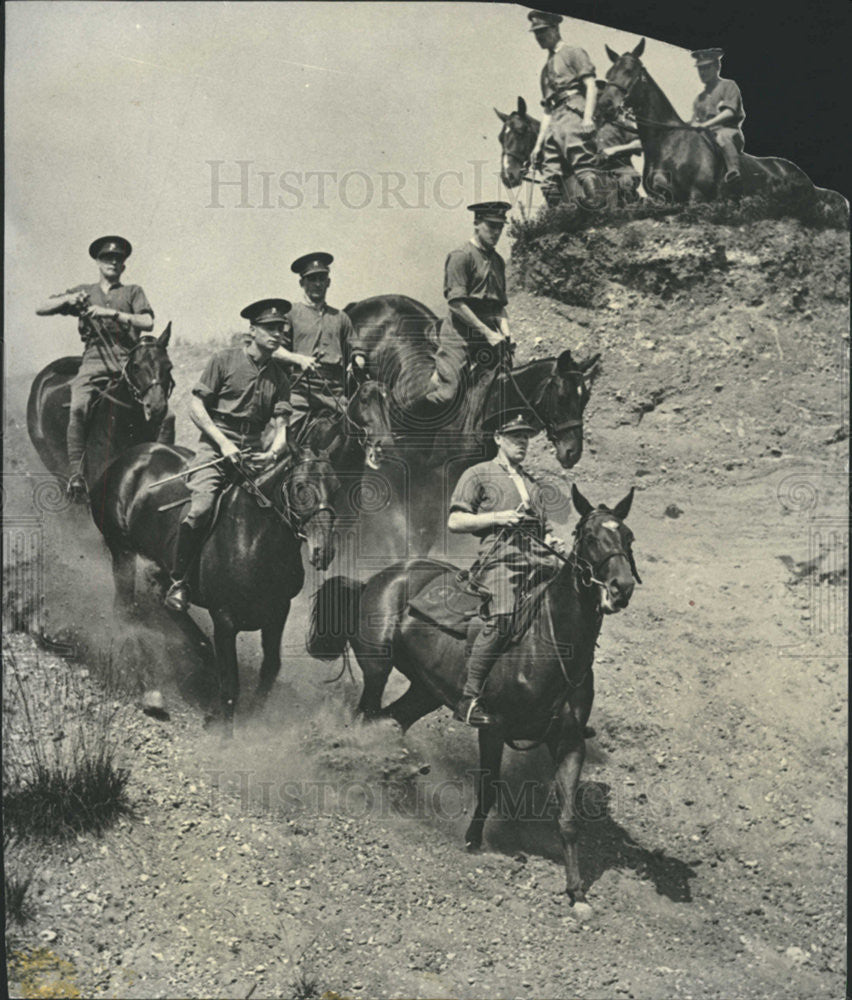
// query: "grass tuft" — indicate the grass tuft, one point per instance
point(16, 895)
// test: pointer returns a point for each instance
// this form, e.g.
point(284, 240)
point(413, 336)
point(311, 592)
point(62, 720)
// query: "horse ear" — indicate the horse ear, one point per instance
point(500, 115)
point(590, 363)
point(163, 339)
point(565, 363)
point(640, 48)
point(522, 107)
point(613, 56)
point(581, 504)
point(622, 508)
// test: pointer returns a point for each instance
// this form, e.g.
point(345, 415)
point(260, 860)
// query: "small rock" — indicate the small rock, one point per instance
point(154, 705)
point(47, 935)
point(796, 955)
point(673, 510)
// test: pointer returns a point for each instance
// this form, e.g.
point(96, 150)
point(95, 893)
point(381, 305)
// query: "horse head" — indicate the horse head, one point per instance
point(148, 375)
point(602, 555)
point(622, 77)
point(368, 411)
point(517, 139)
point(562, 403)
point(307, 490)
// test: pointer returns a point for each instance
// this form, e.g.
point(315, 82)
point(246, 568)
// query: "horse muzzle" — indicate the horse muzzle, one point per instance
point(615, 595)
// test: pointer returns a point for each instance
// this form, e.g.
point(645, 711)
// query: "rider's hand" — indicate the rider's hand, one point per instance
point(230, 451)
point(537, 159)
point(97, 311)
point(507, 518)
point(262, 459)
point(609, 151)
point(586, 129)
point(307, 362)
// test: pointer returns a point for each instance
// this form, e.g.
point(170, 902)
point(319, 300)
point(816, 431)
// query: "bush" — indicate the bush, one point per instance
point(60, 771)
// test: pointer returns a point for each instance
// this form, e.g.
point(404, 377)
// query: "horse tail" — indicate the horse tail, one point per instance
point(335, 611)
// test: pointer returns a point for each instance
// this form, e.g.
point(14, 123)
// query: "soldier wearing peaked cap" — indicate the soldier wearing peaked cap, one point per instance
point(494, 501)
point(475, 290)
point(240, 390)
point(719, 108)
point(120, 314)
point(321, 341)
point(565, 143)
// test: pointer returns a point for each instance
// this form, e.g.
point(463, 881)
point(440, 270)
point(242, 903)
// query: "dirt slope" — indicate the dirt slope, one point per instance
point(313, 848)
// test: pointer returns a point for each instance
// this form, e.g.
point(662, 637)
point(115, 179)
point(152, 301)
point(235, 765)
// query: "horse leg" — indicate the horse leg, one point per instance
point(413, 705)
point(124, 577)
point(271, 665)
point(376, 670)
point(568, 750)
point(225, 644)
point(490, 756)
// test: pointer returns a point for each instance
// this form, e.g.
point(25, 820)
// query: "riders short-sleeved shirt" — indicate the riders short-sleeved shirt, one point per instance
point(506, 558)
point(323, 329)
point(564, 69)
point(724, 95)
point(124, 298)
point(234, 387)
point(478, 277)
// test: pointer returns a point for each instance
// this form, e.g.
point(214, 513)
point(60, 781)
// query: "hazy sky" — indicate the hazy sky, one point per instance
point(114, 112)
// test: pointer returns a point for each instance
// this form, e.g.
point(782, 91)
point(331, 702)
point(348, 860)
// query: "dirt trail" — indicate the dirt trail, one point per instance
point(713, 844)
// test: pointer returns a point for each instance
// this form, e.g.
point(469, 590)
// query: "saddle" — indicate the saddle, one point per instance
point(455, 603)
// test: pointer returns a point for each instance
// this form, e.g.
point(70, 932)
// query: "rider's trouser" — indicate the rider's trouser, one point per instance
point(731, 142)
point(84, 386)
point(454, 350)
point(486, 648)
point(566, 151)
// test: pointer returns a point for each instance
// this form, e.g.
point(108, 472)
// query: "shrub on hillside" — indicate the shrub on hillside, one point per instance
point(60, 763)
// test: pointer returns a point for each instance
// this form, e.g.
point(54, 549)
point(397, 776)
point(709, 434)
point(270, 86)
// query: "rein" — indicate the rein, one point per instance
point(626, 95)
point(138, 393)
point(288, 516)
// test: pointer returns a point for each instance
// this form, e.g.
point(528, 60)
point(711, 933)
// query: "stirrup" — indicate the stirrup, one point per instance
point(76, 490)
point(177, 597)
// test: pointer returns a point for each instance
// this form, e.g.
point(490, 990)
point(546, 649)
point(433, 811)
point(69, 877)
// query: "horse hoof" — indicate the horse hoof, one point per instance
point(581, 911)
point(472, 847)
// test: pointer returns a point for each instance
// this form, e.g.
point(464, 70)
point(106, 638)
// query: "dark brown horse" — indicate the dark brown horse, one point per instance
point(131, 408)
point(541, 688)
point(400, 334)
point(682, 163)
point(250, 567)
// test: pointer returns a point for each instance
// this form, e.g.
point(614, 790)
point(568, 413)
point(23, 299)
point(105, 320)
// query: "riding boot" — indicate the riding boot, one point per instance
point(487, 647)
point(189, 536)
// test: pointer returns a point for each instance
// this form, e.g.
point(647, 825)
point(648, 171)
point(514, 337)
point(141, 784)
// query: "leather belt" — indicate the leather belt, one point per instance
point(558, 99)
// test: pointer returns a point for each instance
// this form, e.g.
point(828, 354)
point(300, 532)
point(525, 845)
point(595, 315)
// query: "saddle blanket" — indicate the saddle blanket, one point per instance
point(449, 601)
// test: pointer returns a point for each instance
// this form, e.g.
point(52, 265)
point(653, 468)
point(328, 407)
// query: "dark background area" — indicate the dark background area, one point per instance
point(791, 61)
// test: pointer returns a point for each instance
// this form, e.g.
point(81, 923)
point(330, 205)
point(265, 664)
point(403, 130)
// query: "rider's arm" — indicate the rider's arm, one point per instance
point(204, 422)
point(461, 521)
point(291, 357)
point(725, 117)
point(467, 315)
point(542, 136)
point(503, 323)
point(628, 147)
point(591, 100)
point(279, 439)
point(139, 321)
point(63, 302)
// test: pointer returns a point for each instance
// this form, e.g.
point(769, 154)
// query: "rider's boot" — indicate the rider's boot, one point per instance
point(178, 597)
point(486, 648)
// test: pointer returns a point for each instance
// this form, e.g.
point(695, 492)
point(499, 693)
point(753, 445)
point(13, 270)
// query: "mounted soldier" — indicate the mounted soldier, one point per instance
point(475, 290)
point(617, 140)
point(719, 108)
point(502, 504)
point(240, 390)
point(111, 318)
point(566, 140)
point(320, 340)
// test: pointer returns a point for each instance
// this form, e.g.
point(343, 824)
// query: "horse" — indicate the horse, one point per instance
point(517, 140)
point(132, 408)
point(682, 163)
point(400, 334)
point(250, 566)
point(541, 688)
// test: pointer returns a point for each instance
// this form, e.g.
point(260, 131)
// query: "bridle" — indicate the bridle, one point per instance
point(138, 392)
point(351, 427)
point(289, 516)
point(552, 430)
point(626, 95)
point(587, 573)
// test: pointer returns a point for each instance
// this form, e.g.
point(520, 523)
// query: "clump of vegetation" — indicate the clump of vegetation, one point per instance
point(16, 897)
point(42, 974)
point(62, 743)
